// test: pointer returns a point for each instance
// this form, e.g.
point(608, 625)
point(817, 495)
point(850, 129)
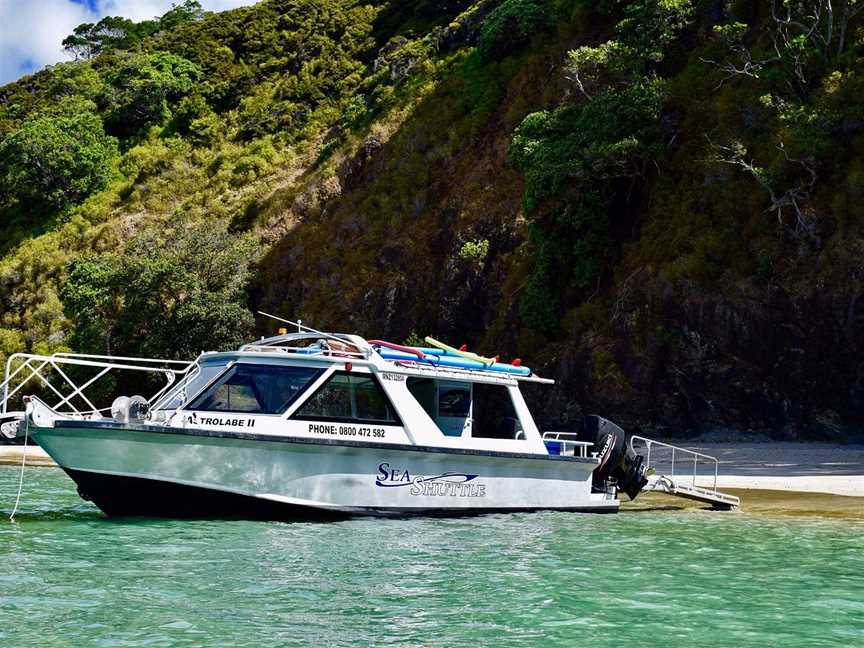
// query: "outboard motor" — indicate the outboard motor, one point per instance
point(618, 462)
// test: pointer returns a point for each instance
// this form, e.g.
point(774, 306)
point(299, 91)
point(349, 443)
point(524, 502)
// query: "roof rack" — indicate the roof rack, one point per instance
point(329, 344)
point(468, 373)
point(340, 345)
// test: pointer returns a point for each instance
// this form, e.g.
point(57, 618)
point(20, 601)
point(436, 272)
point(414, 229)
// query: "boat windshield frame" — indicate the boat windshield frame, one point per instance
point(163, 404)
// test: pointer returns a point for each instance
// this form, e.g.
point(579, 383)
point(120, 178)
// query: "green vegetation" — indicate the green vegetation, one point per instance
point(141, 87)
point(474, 251)
point(581, 160)
point(54, 161)
point(512, 25)
point(187, 118)
point(163, 296)
point(114, 32)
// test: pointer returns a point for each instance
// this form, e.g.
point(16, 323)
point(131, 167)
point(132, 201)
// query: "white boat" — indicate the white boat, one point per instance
point(311, 424)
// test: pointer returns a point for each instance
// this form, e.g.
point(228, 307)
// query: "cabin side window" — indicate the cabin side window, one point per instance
point(464, 409)
point(256, 389)
point(447, 402)
point(494, 415)
point(349, 397)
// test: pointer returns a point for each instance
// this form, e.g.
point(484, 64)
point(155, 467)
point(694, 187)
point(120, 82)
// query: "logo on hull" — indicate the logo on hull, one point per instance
point(194, 419)
point(448, 484)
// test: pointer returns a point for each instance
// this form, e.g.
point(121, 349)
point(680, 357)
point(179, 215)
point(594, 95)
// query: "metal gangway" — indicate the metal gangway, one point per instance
point(68, 377)
point(680, 480)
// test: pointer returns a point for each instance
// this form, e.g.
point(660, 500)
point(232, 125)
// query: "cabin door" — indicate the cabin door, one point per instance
point(454, 408)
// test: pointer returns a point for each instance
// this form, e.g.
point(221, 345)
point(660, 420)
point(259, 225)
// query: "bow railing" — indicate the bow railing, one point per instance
point(53, 375)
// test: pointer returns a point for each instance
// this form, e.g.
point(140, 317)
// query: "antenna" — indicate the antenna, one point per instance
point(301, 327)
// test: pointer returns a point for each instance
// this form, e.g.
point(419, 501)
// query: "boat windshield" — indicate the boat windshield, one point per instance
point(195, 382)
point(255, 388)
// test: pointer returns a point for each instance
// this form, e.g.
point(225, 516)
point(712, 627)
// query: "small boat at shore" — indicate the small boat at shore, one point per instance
point(310, 425)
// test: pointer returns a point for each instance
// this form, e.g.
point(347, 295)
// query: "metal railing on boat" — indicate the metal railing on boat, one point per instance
point(569, 440)
point(304, 351)
point(675, 484)
point(338, 346)
point(52, 373)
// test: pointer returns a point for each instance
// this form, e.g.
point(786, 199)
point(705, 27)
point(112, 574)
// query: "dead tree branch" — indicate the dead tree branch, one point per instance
point(793, 199)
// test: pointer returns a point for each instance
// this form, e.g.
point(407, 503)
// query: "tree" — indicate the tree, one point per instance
point(143, 86)
point(807, 37)
point(583, 162)
point(81, 44)
point(512, 24)
point(578, 161)
point(115, 32)
point(53, 161)
point(168, 294)
point(644, 35)
point(802, 225)
point(184, 12)
point(112, 32)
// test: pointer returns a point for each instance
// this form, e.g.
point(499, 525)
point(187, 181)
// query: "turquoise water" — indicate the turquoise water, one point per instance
point(72, 577)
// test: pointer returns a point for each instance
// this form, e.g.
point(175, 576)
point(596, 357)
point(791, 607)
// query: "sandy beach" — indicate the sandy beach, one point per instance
point(11, 455)
point(796, 467)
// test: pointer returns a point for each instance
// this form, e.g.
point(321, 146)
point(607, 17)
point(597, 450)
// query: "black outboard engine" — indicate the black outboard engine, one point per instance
point(618, 462)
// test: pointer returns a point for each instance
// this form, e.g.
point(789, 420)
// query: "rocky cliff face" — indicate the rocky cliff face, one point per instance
point(677, 359)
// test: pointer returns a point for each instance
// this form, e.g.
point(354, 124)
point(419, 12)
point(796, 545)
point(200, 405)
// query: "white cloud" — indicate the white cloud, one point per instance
point(147, 9)
point(31, 31)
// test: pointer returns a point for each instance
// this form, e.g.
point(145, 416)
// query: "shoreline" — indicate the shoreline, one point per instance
point(845, 486)
point(11, 455)
point(759, 502)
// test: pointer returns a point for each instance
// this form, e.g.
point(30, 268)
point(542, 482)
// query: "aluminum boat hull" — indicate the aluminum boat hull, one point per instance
point(155, 471)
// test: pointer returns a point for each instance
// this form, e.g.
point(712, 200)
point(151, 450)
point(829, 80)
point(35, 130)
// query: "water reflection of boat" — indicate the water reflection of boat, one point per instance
point(314, 424)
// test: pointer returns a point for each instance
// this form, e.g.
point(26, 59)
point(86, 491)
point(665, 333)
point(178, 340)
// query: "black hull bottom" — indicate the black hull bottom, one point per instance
point(119, 496)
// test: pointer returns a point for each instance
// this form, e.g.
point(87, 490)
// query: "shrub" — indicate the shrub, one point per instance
point(512, 25)
point(414, 340)
point(188, 111)
point(142, 87)
point(474, 251)
point(55, 161)
point(168, 294)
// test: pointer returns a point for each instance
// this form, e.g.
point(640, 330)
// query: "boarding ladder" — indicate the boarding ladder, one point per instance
point(678, 483)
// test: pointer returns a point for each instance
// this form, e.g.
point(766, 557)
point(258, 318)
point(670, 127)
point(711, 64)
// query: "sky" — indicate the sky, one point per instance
point(31, 31)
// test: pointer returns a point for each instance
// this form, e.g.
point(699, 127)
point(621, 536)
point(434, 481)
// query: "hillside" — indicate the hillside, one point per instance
point(656, 202)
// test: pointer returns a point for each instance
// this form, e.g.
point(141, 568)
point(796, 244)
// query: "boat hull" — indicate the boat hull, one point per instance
point(122, 496)
point(167, 472)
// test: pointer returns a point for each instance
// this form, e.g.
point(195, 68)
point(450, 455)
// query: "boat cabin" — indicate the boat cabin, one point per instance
point(340, 386)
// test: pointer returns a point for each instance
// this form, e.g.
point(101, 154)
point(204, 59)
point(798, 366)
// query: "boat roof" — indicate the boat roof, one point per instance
point(343, 347)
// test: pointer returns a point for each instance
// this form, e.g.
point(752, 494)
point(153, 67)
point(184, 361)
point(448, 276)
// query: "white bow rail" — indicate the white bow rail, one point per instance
point(23, 369)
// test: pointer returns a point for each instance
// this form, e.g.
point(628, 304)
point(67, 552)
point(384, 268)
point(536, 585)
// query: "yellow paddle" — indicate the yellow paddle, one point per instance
point(465, 354)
